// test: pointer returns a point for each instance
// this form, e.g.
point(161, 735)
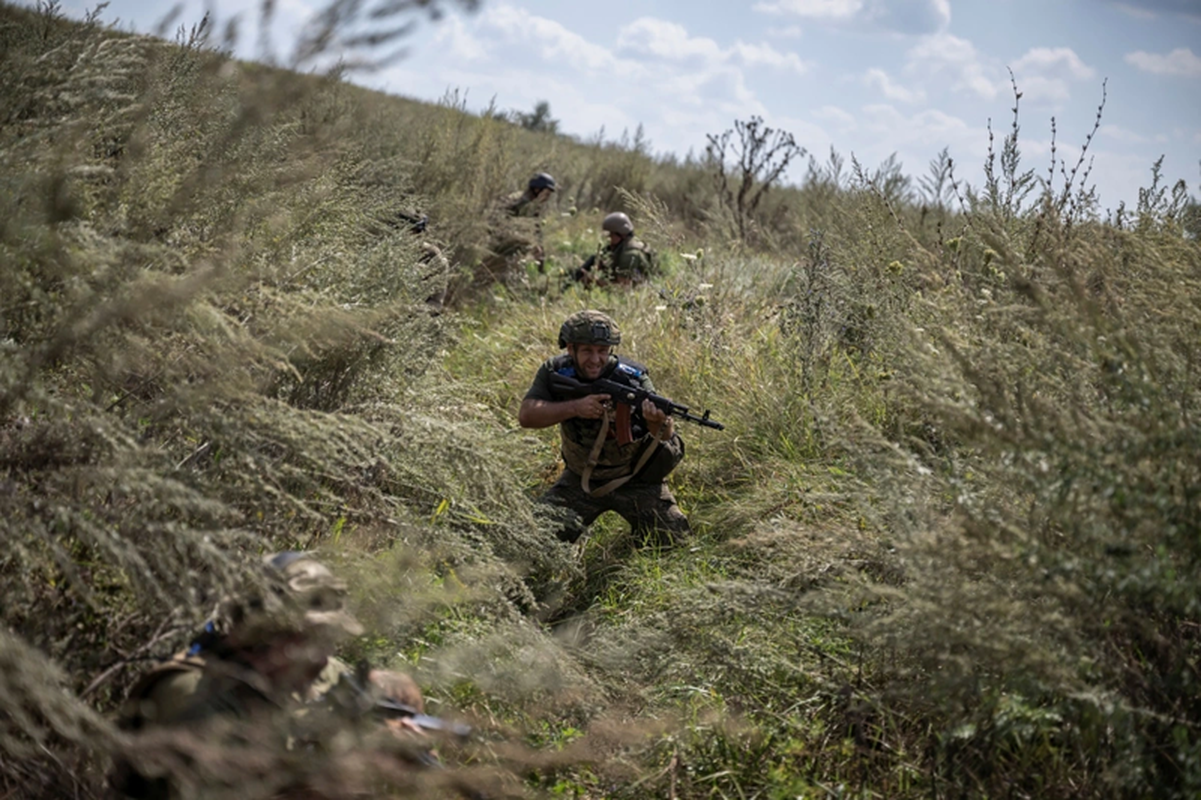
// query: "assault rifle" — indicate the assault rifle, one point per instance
point(353, 690)
point(582, 274)
point(627, 399)
point(387, 708)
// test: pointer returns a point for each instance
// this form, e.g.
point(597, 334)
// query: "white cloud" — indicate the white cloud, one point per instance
point(554, 41)
point(836, 116)
point(766, 55)
point(1125, 136)
point(787, 32)
point(1182, 62)
point(828, 10)
point(667, 40)
point(916, 138)
point(1136, 11)
point(898, 16)
point(671, 42)
point(698, 86)
point(943, 53)
point(1152, 9)
point(879, 79)
point(915, 16)
point(1120, 176)
point(453, 36)
point(1053, 61)
point(1043, 74)
point(931, 127)
point(1038, 89)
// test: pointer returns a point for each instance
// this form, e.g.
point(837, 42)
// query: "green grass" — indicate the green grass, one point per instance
point(946, 545)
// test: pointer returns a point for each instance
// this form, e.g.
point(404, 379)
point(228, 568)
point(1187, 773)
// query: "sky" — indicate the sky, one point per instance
point(868, 78)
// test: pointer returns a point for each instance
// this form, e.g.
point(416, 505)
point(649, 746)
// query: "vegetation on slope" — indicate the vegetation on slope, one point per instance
point(947, 544)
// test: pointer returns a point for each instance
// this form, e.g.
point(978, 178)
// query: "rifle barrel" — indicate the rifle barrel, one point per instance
point(632, 396)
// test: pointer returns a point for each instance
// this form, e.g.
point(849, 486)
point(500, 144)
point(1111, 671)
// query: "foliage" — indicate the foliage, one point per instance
point(760, 155)
point(947, 544)
point(539, 120)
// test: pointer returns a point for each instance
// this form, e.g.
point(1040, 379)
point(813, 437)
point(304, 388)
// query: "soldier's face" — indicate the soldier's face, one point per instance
point(290, 662)
point(543, 195)
point(590, 359)
point(614, 239)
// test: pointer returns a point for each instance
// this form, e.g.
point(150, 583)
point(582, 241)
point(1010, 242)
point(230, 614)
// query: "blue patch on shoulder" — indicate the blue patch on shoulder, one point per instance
point(629, 370)
point(567, 371)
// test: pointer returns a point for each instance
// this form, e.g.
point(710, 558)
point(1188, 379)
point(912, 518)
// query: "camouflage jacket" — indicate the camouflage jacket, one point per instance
point(516, 226)
point(578, 435)
point(189, 692)
point(630, 262)
point(521, 204)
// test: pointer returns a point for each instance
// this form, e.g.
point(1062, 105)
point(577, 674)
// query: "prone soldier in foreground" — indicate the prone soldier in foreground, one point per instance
point(260, 683)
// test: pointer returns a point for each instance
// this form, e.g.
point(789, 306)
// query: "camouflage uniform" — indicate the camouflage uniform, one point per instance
point(630, 262)
point(214, 691)
point(522, 205)
point(648, 506)
point(515, 231)
point(625, 261)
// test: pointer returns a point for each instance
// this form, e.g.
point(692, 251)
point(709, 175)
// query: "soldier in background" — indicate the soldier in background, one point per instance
point(624, 261)
point(516, 231)
point(437, 266)
point(531, 202)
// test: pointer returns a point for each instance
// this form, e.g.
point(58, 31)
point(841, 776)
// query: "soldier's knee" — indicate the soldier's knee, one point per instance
point(664, 530)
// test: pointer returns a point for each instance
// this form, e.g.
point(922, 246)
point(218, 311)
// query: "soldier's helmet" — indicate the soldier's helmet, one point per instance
point(302, 596)
point(542, 181)
point(589, 327)
point(618, 223)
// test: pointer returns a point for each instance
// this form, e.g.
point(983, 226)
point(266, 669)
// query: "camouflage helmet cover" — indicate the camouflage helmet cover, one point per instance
point(303, 597)
point(589, 327)
point(542, 180)
point(618, 223)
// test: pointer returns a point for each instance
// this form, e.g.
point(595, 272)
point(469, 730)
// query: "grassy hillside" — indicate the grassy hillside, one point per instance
point(947, 546)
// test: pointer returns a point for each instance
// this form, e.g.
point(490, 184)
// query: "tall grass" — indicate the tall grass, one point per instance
point(946, 545)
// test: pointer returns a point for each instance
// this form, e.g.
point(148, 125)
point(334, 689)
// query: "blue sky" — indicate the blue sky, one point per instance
point(868, 77)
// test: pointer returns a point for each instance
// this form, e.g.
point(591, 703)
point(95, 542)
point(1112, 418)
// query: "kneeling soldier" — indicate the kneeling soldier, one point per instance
point(602, 472)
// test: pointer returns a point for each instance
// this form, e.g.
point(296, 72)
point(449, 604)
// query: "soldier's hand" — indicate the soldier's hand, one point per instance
point(404, 727)
point(591, 406)
point(657, 420)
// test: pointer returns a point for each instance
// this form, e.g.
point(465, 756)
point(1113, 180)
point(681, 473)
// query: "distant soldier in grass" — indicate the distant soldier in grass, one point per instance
point(243, 688)
point(516, 231)
point(603, 473)
point(624, 261)
point(436, 267)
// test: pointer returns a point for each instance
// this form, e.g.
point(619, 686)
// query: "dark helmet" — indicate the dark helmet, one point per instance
point(618, 223)
point(589, 327)
point(542, 181)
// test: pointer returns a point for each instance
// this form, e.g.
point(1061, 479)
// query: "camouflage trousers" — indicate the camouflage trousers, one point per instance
point(650, 508)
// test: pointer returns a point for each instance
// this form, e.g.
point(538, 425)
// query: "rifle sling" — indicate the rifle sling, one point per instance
point(594, 455)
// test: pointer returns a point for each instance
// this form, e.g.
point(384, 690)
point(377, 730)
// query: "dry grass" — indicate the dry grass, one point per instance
point(947, 544)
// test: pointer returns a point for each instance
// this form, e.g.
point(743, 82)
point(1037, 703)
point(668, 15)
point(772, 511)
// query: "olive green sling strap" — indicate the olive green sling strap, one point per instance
point(594, 455)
